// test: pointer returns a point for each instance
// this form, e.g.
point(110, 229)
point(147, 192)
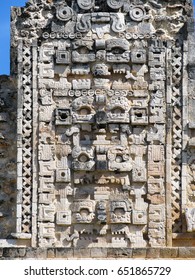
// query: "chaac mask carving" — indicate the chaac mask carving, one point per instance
point(94, 77)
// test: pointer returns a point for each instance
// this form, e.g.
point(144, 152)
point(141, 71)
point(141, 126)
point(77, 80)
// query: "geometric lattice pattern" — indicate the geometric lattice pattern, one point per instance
point(27, 141)
point(176, 136)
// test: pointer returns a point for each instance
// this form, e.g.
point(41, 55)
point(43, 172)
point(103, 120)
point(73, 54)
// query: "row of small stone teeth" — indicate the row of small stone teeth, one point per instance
point(116, 70)
point(112, 233)
point(84, 72)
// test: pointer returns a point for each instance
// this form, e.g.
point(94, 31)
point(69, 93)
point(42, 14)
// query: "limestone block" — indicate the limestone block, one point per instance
point(63, 116)
point(46, 213)
point(83, 211)
point(190, 219)
point(47, 230)
point(63, 218)
point(138, 56)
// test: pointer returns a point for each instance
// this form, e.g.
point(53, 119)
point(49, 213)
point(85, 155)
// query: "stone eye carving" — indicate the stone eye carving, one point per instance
point(83, 158)
point(119, 159)
point(63, 117)
point(120, 212)
point(138, 56)
point(139, 217)
point(63, 218)
point(118, 110)
point(64, 13)
point(63, 57)
point(84, 211)
point(139, 116)
point(84, 111)
point(85, 4)
point(137, 13)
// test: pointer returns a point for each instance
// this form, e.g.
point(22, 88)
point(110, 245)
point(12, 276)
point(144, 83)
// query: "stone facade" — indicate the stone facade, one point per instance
point(105, 128)
point(8, 149)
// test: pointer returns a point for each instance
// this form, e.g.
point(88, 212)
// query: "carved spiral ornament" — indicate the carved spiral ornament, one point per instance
point(115, 4)
point(85, 4)
point(137, 13)
point(64, 13)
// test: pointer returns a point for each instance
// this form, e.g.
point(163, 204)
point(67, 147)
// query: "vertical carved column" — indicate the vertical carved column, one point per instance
point(168, 143)
point(19, 139)
point(176, 136)
point(24, 179)
point(46, 140)
point(27, 140)
point(156, 150)
point(34, 143)
point(185, 133)
point(190, 176)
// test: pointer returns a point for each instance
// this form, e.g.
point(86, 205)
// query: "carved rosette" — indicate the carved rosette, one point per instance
point(64, 13)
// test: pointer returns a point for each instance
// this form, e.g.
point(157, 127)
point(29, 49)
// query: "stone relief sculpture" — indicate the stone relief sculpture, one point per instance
point(105, 150)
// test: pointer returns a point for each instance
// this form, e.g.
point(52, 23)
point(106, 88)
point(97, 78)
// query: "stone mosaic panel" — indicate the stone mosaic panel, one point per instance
point(105, 131)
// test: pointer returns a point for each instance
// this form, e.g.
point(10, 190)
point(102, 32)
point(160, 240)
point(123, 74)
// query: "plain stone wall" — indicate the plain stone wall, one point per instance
point(8, 93)
point(98, 253)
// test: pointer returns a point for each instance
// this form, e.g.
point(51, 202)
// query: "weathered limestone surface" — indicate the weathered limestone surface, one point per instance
point(8, 148)
point(105, 130)
point(98, 253)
